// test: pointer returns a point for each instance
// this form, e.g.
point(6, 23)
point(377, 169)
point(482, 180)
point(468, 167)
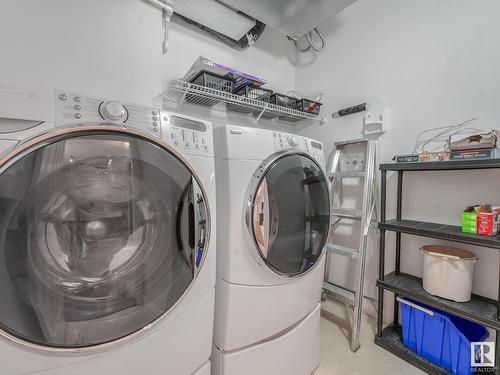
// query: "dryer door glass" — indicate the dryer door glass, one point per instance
point(290, 213)
point(100, 234)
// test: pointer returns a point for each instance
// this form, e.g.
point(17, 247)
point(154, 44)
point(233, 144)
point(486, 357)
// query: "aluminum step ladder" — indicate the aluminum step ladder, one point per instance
point(344, 165)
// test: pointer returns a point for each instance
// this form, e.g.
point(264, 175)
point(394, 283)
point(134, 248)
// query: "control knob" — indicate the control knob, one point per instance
point(113, 111)
point(293, 141)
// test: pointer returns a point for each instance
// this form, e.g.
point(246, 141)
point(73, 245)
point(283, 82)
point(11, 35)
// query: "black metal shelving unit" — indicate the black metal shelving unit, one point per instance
point(479, 309)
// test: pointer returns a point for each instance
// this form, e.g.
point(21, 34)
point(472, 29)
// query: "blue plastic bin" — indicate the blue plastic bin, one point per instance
point(441, 338)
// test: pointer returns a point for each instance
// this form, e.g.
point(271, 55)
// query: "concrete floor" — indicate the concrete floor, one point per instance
point(337, 359)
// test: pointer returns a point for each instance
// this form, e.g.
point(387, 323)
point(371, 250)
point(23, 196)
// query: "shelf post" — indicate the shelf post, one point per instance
point(381, 265)
point(497, 353)
point(398, 217)
point(498, 296)
point(497, 334)
point(383, 193)
point(397, 269)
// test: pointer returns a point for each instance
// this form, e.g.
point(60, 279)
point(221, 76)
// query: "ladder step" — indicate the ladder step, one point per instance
point(337, 293)
point(342, 250)
point(347, 213)
point(351, 142)
point(348, 174)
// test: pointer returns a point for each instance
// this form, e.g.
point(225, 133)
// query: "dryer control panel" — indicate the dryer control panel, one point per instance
point(188, 135)
point(293, 141)
point(71, 108)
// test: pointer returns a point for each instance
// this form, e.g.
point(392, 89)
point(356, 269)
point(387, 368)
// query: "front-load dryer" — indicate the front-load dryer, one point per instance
point(107, 237)
point(274, 220)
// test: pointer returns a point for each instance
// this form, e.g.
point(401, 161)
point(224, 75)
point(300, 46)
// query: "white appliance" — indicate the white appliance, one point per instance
point(107, 232)
point(274, 218)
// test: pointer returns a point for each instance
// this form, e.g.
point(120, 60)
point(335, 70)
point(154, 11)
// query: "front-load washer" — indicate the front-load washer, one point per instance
point(274, 219)
point(107, 237)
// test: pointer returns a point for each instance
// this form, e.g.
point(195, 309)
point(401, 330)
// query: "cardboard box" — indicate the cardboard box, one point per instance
point(482, 223)
point(434, 156)
point(475, 154)
point(240, 78)
point(486, 223)
point(469, 222)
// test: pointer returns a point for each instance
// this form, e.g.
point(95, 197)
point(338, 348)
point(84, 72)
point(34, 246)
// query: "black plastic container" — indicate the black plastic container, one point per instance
point(256, 93)
point(283, 100)
point(309, 106)
point(211, 81)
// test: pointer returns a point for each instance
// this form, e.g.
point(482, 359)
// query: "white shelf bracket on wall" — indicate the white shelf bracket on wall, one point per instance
point(261, 113)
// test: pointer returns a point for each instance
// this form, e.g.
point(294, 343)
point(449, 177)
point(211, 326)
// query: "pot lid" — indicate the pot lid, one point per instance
point(449, 252)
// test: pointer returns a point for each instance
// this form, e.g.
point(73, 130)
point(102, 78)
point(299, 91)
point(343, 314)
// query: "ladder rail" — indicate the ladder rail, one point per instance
point(361, 264)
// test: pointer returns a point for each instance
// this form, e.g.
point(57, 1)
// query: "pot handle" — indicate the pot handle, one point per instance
point(445, 256)
point(415, 306)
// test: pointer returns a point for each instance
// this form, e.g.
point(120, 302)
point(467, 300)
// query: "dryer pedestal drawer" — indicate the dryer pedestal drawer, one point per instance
point(246, 315)
point(296, 352)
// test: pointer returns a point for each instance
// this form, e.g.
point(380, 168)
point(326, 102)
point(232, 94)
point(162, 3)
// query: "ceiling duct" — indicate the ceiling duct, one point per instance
point(294, 18)
point(239, 23)
point(231, 26)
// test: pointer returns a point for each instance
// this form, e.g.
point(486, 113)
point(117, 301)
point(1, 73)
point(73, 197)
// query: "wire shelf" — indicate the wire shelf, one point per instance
point(181, 92)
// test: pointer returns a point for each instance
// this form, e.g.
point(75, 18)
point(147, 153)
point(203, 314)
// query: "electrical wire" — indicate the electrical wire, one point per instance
point(311, 45)
point(443, 135)
point(455, 129)
point(309, 39)
point(443, 138)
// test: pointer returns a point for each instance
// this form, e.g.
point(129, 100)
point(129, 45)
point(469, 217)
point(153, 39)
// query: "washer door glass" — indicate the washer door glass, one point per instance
point(290, 213)
point(100, 234)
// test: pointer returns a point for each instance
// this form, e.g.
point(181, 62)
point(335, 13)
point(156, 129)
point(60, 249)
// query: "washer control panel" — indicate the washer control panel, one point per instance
point(188, 134)
point(293, 141)
point(316, 150)
point(71, 108)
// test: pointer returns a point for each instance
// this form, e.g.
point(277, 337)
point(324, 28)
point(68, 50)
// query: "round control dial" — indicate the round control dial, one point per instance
point(293, 141)
point(113, 111)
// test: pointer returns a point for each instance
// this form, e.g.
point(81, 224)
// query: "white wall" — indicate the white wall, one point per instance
point(112, 48)
point(432, 63)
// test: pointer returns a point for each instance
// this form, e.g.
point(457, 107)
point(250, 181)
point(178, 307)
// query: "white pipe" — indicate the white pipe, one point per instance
point(157, 3)
point(167, 11)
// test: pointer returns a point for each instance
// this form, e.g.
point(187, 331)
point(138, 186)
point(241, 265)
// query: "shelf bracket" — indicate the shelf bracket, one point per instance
point(262, 112)
point(181, 102)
